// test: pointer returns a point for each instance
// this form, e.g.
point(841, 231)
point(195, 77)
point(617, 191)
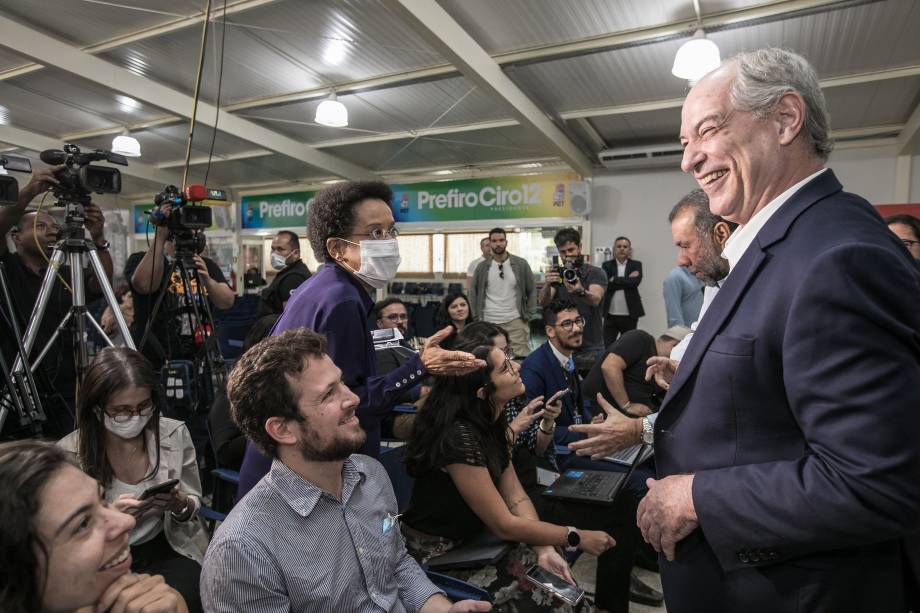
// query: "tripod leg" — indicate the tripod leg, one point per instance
point(99, 329)
point(110, 299)
point(79, 311)
point(44, 294)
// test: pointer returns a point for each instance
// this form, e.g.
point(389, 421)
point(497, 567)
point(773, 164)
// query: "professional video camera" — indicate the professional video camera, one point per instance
point(569, 269)
point(187, 220)
point(9, 187)
point(79, 178)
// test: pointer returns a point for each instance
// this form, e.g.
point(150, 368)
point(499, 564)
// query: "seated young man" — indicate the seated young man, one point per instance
point(320, 531)
point(620, 373)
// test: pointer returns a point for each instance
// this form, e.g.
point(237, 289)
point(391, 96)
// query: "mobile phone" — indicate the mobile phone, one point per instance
point(554, 584)
point(159, 488)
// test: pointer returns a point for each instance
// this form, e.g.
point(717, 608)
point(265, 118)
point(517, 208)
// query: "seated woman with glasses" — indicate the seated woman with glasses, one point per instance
point(532, 424)
point(465, 484)
point(63, 548)
point(124, 442)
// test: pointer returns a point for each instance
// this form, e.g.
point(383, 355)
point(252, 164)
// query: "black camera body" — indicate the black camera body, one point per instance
point(9, 187)
point(187, 220)
point(568, 269)
point(78, 179)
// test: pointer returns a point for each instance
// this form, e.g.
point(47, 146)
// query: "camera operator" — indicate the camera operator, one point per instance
point(34, 235)
point(171, 335)
point(586, 290)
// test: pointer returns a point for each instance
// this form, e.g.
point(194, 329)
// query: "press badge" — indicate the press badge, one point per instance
point(389, 521)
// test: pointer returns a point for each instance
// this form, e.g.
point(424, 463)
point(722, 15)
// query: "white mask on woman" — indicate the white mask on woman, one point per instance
point(379, 261)
point(126, 429)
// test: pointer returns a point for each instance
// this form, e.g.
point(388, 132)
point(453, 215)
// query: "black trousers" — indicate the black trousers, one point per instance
point(615, 325)
point(619, 521)
point(157, 557)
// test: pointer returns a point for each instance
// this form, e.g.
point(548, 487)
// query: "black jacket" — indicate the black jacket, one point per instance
point(630, 285)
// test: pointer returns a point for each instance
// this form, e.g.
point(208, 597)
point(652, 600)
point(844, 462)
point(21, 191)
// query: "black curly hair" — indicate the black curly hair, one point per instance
point(331, 212)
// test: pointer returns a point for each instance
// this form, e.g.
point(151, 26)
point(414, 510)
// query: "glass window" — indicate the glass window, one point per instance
point(415, 250)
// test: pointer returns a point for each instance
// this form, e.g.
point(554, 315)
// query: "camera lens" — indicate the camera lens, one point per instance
point(570, 275)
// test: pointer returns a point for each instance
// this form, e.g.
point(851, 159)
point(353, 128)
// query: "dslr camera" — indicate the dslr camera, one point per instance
point(79, 178)
point(9, 187)
point(188, 219)
point(568, 269)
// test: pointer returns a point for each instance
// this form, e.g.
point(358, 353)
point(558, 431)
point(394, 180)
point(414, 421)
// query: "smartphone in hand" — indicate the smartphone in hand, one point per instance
point(159, 488)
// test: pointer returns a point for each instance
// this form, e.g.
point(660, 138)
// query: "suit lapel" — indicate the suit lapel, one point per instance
point(740, 278)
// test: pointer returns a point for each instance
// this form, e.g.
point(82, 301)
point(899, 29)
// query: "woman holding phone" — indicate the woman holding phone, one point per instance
point(123, 441)
point(465, 484)
point(62, 548)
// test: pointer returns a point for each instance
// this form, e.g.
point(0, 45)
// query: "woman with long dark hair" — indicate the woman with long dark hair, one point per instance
point(533, 446)
point(460, 457)
point(454, 311)
point(62, 548)
point(123, 441)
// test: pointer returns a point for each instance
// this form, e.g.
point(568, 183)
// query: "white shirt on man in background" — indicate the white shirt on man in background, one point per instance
point(501, 298)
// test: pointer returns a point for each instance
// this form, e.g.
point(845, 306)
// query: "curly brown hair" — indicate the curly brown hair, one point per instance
point(259, 386)
point(331, 212)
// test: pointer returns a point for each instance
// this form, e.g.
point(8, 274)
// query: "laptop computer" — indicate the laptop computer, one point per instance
point(627, 456)
point(483, 549)
point(591, 486)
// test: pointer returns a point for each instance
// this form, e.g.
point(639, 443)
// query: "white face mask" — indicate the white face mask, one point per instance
point(379, 261)
point(277, 260)
point(127, 429)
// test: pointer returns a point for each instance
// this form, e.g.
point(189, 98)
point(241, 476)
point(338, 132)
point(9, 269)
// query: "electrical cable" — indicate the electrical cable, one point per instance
point(220, 80)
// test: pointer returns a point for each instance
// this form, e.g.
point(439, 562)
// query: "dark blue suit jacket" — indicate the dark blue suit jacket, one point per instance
point(543, 376)
point(797, 407)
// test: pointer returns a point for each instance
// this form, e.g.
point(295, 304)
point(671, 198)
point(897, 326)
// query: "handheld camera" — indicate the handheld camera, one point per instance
point(9, 187)
point(568, 269)
point(78, 179)
point(188, 220)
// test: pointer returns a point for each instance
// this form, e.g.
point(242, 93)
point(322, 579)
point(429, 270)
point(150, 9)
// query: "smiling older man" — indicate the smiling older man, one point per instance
point(786, 447)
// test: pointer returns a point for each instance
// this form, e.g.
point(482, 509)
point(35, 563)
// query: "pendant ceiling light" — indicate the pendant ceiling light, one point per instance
point(696, 57)
point(126, 145)
point(331, 112)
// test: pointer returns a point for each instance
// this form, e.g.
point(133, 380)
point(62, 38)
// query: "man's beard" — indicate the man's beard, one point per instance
point(711, 269)
point(498, 250)
point(337, 450)
point(570, 345)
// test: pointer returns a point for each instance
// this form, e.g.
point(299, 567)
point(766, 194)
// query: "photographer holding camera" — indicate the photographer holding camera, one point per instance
point(34, 235)
point(171, 336)
point(573, 278)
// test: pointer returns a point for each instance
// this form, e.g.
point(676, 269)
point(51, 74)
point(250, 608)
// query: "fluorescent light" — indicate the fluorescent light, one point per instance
point(335, 51)
point(331, 112)
point(126, 146)
point(4, 115)
point(443, 172)
point(126, 104)
point(696, 58)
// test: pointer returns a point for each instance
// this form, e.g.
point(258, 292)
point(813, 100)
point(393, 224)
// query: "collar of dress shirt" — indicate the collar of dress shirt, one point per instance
point(300, 494)
point(563, 360)
point(744, 235)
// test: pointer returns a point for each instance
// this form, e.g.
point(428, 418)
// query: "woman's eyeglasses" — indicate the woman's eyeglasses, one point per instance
point(379, 234)
point(122, 414)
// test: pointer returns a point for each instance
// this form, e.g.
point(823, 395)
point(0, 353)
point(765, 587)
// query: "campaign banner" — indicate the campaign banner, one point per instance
point(494, 198)
point(275, 210)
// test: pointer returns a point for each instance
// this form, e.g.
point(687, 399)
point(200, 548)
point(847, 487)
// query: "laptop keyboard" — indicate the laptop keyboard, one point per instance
point(591, 484)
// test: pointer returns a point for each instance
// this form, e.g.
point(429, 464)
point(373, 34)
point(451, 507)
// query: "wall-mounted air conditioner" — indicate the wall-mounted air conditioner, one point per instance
point(655, 156)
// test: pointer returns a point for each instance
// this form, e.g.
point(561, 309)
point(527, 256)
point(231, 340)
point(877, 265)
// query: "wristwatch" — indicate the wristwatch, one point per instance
point(573, 539)
point(648, 432)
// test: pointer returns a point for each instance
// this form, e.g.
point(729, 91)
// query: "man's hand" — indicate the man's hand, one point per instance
point(666, 515)
point(662, 369)
point(633, 274)
point(470, 606)
point(574, 289)
point(202, 269)
point(41, 181)
point(95, 221)
point(615, 433)
point(438, 361)
point(552, 277)
point(140, 594)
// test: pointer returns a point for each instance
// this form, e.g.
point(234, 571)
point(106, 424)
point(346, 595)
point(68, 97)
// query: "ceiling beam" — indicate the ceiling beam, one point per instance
point(147, 33)
point(34, 142)
point(439, 29)
point(50, 51)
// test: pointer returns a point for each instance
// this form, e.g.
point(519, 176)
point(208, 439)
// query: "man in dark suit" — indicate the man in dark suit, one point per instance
point(786, 447)
point(622, 305)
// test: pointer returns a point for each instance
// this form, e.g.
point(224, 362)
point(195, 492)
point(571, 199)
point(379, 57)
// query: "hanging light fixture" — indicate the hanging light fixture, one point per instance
point(126, 145)
point(696, 57)
point(331, 112)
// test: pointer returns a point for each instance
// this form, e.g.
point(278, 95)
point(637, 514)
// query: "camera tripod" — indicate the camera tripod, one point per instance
point(197, 317)
point(73, 247)
point(21, 393)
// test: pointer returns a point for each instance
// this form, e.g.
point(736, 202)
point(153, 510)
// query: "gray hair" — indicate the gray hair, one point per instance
point(704, 221)
point(766, 75)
